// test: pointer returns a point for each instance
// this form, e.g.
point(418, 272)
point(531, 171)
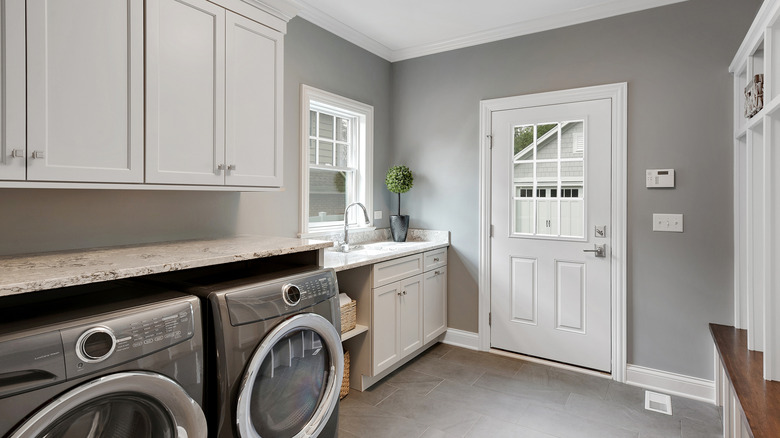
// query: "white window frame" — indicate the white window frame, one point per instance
point(363, 131)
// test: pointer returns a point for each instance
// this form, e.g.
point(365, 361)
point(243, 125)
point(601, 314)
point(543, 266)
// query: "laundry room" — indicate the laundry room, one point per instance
point(336, 248)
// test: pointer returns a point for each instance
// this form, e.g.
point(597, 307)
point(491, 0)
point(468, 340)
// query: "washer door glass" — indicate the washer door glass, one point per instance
point(293, 380)
point(118, 416)
point(291, 385)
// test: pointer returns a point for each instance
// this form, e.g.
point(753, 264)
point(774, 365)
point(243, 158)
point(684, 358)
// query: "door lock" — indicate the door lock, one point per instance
point(599, 250)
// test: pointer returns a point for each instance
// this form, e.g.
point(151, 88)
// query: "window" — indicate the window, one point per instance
point(336, 160)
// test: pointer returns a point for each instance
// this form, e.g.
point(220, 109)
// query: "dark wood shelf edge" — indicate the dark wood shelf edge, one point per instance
point(758, 399)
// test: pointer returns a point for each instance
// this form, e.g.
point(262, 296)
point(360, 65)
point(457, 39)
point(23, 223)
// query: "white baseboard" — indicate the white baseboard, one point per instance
point(461, 338)
point(671, 383)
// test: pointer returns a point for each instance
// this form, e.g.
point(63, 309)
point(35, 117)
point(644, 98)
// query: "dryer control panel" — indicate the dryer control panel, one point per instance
point(102, 344)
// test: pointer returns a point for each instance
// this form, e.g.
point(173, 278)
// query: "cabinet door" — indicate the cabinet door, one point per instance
point(85, 90)
point(13, 139)
point(411, 323)
point(253, 103)
point(185, 92)
point(435, 303)
point(385, 321)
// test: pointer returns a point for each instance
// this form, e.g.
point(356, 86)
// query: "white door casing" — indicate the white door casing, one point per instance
point(549, 298)
point(617, 94)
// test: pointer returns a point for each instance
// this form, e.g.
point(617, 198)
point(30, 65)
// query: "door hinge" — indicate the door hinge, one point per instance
point(491, 230)
point(490, 142)
point(490, 318)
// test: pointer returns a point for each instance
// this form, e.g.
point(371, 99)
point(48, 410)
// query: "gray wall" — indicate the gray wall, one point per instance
point(675, 60)
point(34, 220)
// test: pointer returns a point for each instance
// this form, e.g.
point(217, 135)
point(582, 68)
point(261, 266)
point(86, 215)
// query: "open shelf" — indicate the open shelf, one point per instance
point(354, 332)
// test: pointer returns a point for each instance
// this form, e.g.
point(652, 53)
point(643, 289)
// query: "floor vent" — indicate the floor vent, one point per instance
point(658, 402)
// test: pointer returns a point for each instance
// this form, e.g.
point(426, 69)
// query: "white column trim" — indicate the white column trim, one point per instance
point(618, 93)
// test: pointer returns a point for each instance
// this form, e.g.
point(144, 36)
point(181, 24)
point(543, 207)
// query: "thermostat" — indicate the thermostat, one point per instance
point(659, 178)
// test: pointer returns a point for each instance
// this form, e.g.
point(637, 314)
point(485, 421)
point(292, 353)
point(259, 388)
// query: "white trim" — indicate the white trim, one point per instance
point(671, 383)
point(357, 109)
point(461, 338)
point(618, 93)
point(566, 18)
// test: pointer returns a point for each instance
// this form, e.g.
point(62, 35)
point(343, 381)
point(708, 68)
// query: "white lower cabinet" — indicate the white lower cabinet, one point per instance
point(409, 312)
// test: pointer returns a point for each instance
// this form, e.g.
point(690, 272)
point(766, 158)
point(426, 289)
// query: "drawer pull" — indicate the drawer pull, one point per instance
point(435, 259)
point(436, 272)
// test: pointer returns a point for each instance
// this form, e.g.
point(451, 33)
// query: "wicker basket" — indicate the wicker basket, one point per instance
point(345, 382)
point(348, 316)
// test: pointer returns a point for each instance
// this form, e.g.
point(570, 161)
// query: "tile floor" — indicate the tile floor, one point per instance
point(453, 392)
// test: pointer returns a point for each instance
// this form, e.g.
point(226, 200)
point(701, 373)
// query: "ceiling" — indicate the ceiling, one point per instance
point(403, 29)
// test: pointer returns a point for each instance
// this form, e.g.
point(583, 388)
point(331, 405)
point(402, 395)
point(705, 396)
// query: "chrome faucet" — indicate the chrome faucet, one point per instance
point(345, 245)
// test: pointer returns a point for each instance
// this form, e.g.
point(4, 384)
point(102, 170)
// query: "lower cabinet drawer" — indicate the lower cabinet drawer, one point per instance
point(398, 269)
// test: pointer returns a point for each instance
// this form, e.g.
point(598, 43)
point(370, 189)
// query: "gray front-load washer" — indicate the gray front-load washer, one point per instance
point(279, 363)
point(114, 360)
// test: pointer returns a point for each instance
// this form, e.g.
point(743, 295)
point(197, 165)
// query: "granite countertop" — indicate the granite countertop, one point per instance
point(377, 247)
point(34, 272)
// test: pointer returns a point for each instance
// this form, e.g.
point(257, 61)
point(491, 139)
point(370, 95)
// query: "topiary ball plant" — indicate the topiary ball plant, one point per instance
point(399, 180)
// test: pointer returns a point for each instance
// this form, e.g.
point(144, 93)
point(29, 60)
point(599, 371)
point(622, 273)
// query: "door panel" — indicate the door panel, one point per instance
point(386, 317)
point(253, 76)
point(85, 90)
point(185, 81)
point(13, 136)
point(551, 170)
point(435, 303)
point(411, 322)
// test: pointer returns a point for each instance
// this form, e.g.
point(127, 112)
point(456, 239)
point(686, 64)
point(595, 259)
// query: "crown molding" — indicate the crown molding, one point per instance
point(611, 9)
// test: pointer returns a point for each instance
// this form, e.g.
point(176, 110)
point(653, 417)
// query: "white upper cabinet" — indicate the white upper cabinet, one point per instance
point(185, 83)
point(84, 90)
point(13, 142)
point(214, 90)
point(253, 103)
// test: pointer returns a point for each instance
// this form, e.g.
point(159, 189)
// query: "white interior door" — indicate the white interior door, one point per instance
point(551, 202)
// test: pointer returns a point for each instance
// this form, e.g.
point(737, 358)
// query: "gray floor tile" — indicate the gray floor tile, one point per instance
point(489, 362)
point(562, 423)
point(432, 410)
point(485, 401)
point(373, 395)
point(490, 427)
point(698, 429)
point(451, 392)
point(578, 383)
point(363, 420)
point(409, 379)
point(534, 391)
point(648, 422)
point(447, 370)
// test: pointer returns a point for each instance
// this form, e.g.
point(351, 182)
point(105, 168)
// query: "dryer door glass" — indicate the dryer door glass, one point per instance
point(119, 416)
point(290, 385)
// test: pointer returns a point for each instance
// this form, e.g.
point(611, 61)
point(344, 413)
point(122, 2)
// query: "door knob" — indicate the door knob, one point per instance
point(599, 250)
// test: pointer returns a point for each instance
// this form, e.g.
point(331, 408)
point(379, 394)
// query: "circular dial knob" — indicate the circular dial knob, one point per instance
point(291, 294)
point(95, 344)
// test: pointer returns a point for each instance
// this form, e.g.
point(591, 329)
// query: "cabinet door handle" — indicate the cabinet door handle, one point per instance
point(436, 272)
point(38, 154)
point(17, 153)
point(231, 167)
point(399, 293)
point(435, 259)
point(220, 168)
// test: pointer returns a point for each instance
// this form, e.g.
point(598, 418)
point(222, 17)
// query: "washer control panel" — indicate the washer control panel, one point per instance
point(261, 301)
point(102, 344)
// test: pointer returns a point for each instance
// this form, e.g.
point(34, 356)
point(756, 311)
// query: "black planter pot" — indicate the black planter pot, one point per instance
point(399, 225)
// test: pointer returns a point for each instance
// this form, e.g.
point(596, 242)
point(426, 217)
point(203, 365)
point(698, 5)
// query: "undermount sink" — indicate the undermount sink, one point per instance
point(373, 248)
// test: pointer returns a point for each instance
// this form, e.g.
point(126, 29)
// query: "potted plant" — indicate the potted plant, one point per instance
point(399, 180)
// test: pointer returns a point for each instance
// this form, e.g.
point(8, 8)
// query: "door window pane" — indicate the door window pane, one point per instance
point(549, 179)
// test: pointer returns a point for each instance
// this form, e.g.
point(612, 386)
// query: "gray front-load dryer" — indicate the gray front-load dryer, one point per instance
point(279, 360)
point(114, 361)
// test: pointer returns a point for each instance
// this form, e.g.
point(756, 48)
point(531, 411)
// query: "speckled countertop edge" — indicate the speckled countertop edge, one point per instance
point(342, 262)
point(34, 272)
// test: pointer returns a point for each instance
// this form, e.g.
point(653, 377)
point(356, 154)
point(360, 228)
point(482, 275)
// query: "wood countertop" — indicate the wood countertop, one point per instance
point(759, 399)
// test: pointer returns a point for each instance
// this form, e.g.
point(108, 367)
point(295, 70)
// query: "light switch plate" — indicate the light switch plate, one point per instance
point(668, 222)
point(377, 214)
